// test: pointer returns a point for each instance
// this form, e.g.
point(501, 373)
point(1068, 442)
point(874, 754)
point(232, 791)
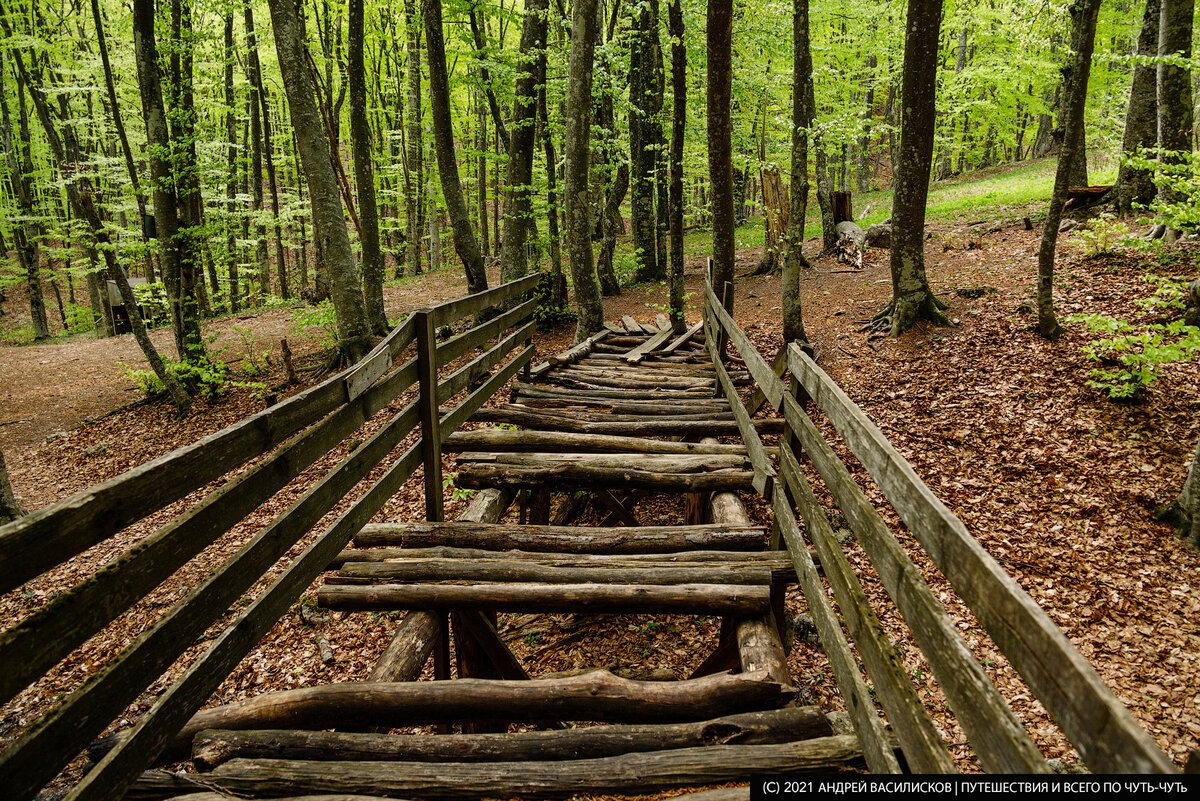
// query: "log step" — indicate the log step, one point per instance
point(476, 475)
point(788, 724)
point(638, 773)
point(687, 599)
point(779, 562)
point(564, 539)
point(507, 439)
point(651, 462)
point(507, 570)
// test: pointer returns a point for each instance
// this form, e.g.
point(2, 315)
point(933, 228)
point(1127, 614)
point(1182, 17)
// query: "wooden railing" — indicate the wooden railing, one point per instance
point(1103, 731)
point(295, 433)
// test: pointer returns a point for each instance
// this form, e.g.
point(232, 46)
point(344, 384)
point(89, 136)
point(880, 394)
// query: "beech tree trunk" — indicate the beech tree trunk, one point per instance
point(1185, 511)
point(329, 224)
point(1175, 114)
point(1141, 117)
point(802, 114)
point(414, 162)
point(576, 149)
point(465, 243)
point(675, 191)
point(1075, 81)
point(9, 508)
point(364, 174)
point(720, 141)
point(521, 143)
point(557, 279)
point(644, 133)
point(911, 296)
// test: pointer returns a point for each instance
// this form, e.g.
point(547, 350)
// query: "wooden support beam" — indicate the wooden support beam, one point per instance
point(614, 599)
point(788, 724)
point(575, 476)
point(434, 571)
point(564, 539)
point(625, 774)
point(502, 439)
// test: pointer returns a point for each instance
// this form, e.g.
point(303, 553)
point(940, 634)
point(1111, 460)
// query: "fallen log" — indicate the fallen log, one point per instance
point(596, 696)
point(638, 773)
point(564, 539)
point(653, 462)
point(509, 570)
point(850, 241)
point(505, 439)
point(788, 724)
point(612, 599)
point(777, 561)
point(582, 476)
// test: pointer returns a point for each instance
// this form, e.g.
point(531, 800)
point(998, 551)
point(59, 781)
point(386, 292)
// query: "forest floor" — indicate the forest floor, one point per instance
point(1058, 483)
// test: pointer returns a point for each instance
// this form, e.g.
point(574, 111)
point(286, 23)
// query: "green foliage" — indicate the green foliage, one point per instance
point(254, 360)
point(1169, 293)
point(152, 297)
point(1178, 171)
point(457, 493)
point(208, 377)
point(317, 322)
point(1103, 235)
point(1130, 357)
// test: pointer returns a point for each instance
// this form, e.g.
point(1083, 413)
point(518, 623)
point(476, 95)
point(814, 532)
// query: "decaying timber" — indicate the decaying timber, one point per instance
point(564, 539)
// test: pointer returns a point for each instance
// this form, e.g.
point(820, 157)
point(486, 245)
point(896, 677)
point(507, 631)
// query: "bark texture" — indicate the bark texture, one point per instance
point(1175, 114)
point(1075, 81)
point(588, 303)
point(911, 297)
point(465, 243)
point(9, 508)
point(675, 190)
point(1141, 117)
point(720, 141)
point(329, 224)
point(364, 174)
point(802, 114)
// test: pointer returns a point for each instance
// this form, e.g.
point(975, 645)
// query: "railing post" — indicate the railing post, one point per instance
point(427, 408)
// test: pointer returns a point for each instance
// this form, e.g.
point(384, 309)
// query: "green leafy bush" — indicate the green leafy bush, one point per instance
point(1103, 236)
point(317, 322)
point(1130, 357)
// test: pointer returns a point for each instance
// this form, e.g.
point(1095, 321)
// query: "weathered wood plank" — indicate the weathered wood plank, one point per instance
point(593, 696)
point(502, 439)
point(578, 476)
point(211, 748)
point(611, 394)
point(409, 648)
point(773, 389)
point(1106, 734)
point(42, 539)
point(563, 539)
point(123, 679)
point(50, 634)
point(381, 357)
point(632, 326)
point(638, 353)
point(684, 337)
point(505, 570)
point(478, 336)
point(478, 367)
point(691, 599)
point(649, 427)
point(629, 773)
point(462, 412)
point(764, 471)
point(512, 410)
point(654, 462)
point(924, 749)
point(867, 724)
point(454, 310)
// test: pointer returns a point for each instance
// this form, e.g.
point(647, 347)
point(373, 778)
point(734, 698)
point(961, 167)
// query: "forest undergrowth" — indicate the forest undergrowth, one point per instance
point(1058, 482)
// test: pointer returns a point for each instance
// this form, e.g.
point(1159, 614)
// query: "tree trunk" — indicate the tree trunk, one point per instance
point(558, 280)
point(254, 74)
point(329, 224)
point(675, 195)
point(911, 295)
point(802, 114)
point(576, 149)
point(364, 174)
point(644, 134)
point(163, 152)
point(231, 153)
point(1075, 81)
point(268, 157)
point(10, 510)
point(720, 141)
point(1175, 115)
point(1141, 117)
point(414, 163)
point(1185, 511)
point(521, 143)
point(25, 235)
point(82, 203)
point(465, 243)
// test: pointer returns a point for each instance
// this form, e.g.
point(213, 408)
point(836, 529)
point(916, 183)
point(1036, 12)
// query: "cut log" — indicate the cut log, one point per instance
point(409, 649)
point(577, 352)
point(760, 648)
point(654, 462)
point(510, 410)
point(564, 539)
point(849, 247)
point(649, 426)
point(544, 390)
point(629, 773)
point(505, 570)
point(613, 599)
point(596, 696)
point(611, 378)
point(789, 724)
point(581, 476)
